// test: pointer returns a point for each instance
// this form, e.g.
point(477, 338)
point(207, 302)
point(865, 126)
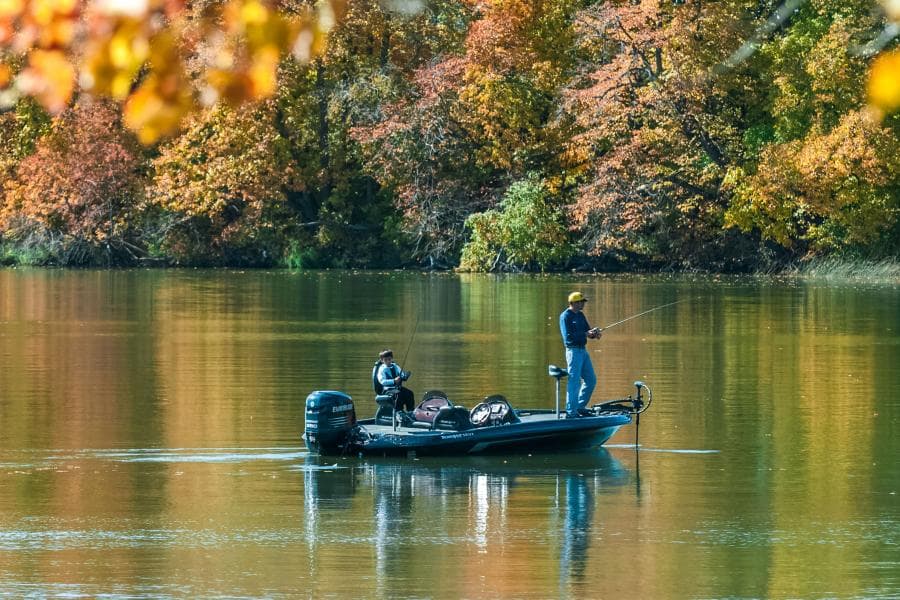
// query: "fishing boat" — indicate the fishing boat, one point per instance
point(438, 427)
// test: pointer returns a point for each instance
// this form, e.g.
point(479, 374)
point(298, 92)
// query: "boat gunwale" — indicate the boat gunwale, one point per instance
point(523, 427)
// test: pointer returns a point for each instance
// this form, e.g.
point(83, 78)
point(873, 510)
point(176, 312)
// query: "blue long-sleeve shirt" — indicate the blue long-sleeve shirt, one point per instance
point(574, 328)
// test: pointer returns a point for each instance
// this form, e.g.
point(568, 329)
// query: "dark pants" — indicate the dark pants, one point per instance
point(405, 400)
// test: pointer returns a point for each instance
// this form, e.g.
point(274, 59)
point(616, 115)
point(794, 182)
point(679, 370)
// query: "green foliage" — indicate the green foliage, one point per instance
point(526, 232)
point(22, 127)
point(297, 256)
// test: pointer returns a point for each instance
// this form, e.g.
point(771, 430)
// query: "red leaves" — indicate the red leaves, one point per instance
point(80, 178)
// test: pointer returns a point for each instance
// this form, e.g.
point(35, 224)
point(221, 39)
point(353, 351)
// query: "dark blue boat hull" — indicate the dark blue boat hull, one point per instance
point(533, 433)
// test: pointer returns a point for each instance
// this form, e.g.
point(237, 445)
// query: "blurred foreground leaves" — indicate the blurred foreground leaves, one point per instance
point(162, 58)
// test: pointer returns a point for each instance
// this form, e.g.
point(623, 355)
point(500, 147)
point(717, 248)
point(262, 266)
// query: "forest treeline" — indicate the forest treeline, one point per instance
point(504, 135)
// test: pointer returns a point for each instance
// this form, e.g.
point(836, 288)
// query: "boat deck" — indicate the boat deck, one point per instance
point(525, 417)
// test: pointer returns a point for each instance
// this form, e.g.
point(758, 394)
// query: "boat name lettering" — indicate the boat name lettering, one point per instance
point(342, 408)
point(458, 436)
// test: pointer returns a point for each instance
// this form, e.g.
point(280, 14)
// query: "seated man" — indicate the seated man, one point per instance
point(391, 377)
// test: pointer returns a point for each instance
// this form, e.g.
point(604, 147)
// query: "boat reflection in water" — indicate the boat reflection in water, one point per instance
point(478, 512)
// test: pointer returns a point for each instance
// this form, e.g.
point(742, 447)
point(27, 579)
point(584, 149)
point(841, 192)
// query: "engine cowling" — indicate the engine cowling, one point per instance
point(330, 417)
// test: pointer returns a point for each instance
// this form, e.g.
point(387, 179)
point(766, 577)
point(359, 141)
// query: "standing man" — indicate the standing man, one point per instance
point(575, 332)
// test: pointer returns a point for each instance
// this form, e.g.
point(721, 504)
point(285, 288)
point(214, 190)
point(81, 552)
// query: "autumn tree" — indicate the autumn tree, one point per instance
point(417, 153)
point(826, 191)
point(826, 175)
point(675, 105)
point(220, 188)
point(656, 133)
point(73, 200)
point(473, 122)
point(518, 53)
point(369, 54)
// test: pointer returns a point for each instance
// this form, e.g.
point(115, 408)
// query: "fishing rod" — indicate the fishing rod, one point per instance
point(412, 337)
point(611, 325)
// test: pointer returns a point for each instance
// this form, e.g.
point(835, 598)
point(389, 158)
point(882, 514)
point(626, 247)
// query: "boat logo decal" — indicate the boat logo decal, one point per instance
point(457, 436)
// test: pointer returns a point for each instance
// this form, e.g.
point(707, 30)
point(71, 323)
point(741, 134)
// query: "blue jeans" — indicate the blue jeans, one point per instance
point(580, 368)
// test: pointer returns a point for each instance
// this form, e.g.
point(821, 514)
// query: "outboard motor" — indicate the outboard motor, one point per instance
point(330, 417)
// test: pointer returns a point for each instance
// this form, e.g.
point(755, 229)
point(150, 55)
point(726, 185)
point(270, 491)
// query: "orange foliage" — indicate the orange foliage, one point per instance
point(143, 50)
point(229, 169)
point(846, 178)
point(81, 180)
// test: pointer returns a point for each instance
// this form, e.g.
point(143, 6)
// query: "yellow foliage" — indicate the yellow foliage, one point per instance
point(113, 62)
point(263, 72)
point(805, 187)
point(884, 82)
point(235, 47)
point(892, 9)
point(158, 107)
point(11, 8)
point(164, 98)
point(50, 78)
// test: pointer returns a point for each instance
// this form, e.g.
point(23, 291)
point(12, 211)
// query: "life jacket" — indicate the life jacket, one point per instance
point(376, 384)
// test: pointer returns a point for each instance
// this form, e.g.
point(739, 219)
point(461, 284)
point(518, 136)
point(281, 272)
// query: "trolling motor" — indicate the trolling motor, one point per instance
point(557, 373)
point(630, 405)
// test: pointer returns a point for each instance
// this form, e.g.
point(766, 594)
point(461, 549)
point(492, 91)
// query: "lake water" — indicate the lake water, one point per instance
point(151, 448)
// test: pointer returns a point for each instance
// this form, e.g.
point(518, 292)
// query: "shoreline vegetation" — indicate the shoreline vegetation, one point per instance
point(824, 270)
point(838, 270)
point(519, 136)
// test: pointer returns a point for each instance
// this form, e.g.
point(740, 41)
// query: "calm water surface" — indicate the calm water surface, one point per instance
point(151, 423)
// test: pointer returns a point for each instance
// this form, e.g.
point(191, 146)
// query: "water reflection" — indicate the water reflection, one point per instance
point(474, 507)
point(151, 424)
point(577, 532)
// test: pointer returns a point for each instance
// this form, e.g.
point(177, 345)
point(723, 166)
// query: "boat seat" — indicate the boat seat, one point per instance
point(436, 411)
point(384, 414)
point(557, 372)
point(452, 418)
point(432, 402)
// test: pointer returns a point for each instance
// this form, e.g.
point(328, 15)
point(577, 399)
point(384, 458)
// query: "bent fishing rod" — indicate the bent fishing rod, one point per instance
point(640, 314)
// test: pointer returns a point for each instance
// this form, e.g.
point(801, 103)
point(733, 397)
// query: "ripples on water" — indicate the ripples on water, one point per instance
point(151, 425)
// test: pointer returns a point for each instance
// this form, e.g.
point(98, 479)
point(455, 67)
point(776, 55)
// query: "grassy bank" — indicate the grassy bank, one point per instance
point(849, 270)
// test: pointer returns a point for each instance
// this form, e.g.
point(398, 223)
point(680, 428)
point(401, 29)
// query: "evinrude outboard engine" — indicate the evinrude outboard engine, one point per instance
point(330, 417)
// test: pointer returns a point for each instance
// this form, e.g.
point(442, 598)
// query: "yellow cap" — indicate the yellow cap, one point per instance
point(576, 297)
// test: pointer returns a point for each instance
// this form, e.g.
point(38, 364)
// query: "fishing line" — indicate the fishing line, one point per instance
point(611, 325)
